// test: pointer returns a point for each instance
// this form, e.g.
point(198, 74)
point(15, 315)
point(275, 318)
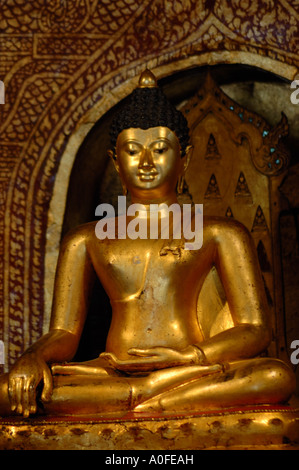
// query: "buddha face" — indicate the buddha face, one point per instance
point(149, 161)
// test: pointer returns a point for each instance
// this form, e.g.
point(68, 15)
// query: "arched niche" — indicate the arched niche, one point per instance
point(92, 179)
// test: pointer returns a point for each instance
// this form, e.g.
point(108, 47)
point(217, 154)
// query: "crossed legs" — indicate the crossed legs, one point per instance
point(179, 389)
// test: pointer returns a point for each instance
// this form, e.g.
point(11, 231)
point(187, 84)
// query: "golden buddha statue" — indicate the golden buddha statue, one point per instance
point(157, 358)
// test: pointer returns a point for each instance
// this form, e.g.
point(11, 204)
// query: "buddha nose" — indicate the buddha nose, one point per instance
point(146, 159)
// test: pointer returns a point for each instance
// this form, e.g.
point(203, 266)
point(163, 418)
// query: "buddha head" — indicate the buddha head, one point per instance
point(150, 141)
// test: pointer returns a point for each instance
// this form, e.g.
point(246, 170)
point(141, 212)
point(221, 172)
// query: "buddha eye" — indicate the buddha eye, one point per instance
point(161, 150)
point(132, 151)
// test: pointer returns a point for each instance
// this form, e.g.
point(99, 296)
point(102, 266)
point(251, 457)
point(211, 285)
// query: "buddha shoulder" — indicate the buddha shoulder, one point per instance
point(79, 236)
point(224, 229)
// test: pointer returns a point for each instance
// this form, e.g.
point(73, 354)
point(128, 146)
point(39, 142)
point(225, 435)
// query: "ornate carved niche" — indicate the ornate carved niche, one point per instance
point(237, 166)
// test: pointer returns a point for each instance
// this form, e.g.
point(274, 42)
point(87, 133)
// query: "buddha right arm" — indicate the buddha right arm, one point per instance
point(32, 369)
point(74, 277)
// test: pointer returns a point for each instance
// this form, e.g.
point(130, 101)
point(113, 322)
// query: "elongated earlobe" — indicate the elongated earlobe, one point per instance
point(125, 190)
point(187, 157)
point(112, 155)
point(180, 185)
point(181, 180)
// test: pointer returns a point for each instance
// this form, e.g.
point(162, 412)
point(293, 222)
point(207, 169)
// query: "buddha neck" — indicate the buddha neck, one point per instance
point(148, 203)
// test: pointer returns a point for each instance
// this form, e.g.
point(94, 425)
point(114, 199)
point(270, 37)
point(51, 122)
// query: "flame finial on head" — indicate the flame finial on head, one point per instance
point(147, 80)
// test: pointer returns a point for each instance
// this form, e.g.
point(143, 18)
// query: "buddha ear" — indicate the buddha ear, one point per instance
point(187, 157)
point(185, 162)
point(112, 155)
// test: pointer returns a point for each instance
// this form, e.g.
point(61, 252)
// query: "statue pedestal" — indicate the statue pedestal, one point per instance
point(261, 427)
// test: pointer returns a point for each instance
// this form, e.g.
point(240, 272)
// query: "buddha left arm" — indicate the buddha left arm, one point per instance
point(239, 342)
point(238, 268)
